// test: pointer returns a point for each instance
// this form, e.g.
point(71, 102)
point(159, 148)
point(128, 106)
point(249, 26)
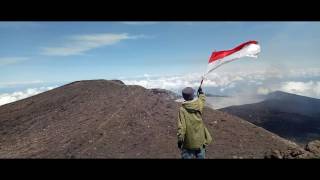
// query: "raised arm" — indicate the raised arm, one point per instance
point(202, 99)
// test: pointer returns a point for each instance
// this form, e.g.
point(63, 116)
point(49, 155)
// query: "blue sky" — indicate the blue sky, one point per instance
point(59, 52)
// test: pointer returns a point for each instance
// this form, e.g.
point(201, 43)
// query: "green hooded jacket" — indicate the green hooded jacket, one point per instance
point(191, 129)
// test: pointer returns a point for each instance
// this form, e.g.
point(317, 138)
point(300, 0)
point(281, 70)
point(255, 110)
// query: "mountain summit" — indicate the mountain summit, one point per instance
point(108, 119)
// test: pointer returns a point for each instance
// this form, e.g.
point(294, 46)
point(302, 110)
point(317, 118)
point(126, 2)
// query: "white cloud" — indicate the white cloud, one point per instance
point(11, 60)
point(162, 82)
point(263, 91)
point(15, 96)
point(310, 72)
point(222, 79)
point(180, 81)
point(310, 88)
point(233, 83)
point(79, 44)
point(307, 88)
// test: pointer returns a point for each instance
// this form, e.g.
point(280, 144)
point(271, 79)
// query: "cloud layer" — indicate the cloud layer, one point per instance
point(298, 81)
point(310, 88)
point(242, 85)
point(79, 44)
point(15, 96)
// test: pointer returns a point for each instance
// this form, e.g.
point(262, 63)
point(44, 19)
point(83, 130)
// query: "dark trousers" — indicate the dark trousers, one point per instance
point(191, 154)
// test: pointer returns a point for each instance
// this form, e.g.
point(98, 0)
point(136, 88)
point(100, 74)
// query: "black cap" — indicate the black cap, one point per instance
point(188, 93)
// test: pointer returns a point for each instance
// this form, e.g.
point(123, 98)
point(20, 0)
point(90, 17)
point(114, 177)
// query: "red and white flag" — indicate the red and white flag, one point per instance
point(247, 49)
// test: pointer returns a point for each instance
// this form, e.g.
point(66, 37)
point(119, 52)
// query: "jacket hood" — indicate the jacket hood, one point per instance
point(192, 105)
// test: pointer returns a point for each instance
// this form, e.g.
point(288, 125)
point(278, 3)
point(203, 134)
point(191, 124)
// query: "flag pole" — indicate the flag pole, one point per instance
point(201, 82)
point(202, 78)
point(204, 74)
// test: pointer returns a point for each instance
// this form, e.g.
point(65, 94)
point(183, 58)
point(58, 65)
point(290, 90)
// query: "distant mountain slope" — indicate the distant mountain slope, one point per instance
point(291, 116)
